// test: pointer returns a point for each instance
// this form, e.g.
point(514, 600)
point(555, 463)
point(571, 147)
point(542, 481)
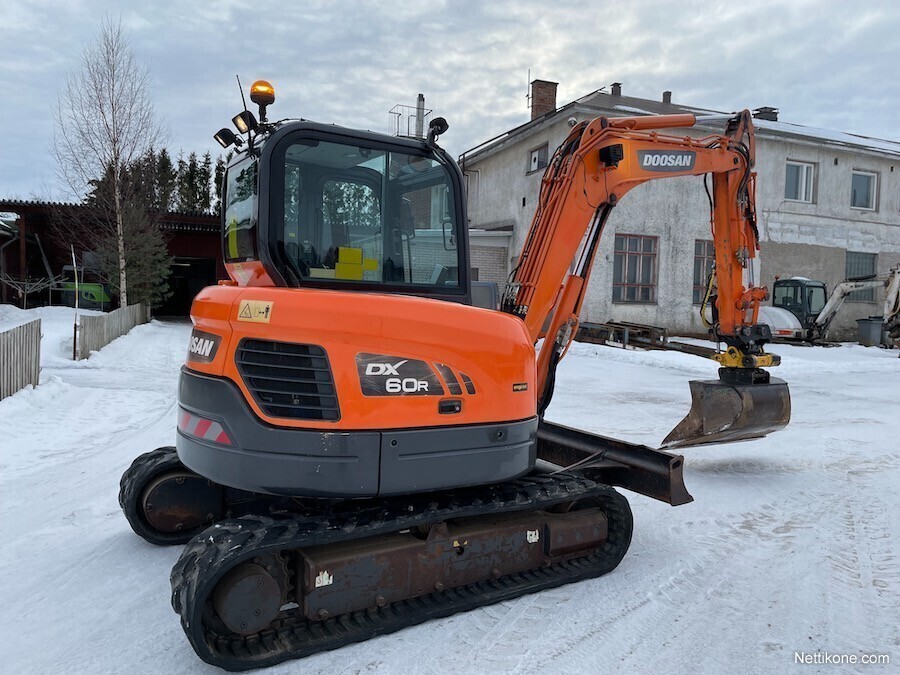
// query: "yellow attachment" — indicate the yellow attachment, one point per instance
point(735, 358)
point(262, 93)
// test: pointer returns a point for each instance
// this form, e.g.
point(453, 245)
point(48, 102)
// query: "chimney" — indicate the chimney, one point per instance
point(766, 113)
point(616, 88)
point(543, 98)
point(667, 97)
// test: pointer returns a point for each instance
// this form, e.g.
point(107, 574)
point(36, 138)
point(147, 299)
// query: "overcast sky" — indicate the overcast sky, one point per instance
point(831, 64)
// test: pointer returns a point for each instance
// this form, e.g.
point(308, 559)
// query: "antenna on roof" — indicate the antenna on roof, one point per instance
point(238, 78)
point(528, 91)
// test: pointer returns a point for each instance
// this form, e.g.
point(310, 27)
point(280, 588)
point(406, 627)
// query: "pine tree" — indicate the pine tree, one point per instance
point(204, 178)
point(221, 164)
point(166, 177)
point(186, 183)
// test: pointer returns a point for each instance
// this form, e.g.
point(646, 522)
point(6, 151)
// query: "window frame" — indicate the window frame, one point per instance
point(709, 245)
point(873, 193)
point(537, 149)
point(640, 254)
point(272, 172)
point(866, 295)
point(810, 170)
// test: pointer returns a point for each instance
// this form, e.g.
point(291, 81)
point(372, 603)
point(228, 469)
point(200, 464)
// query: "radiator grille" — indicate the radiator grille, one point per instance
point(288, 380)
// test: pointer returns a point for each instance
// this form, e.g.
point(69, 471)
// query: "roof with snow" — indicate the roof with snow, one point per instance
point(602, 102)
point(181, 221)
point(11, 204)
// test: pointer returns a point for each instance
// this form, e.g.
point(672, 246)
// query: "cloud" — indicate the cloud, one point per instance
point(828, 64)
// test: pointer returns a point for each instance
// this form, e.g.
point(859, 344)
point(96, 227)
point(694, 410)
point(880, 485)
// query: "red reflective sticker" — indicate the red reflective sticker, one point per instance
point(202, 427)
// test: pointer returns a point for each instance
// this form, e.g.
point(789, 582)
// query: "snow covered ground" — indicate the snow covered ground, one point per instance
point(791, 544)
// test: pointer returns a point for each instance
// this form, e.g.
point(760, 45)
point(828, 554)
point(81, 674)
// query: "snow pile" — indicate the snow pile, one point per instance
point(11, 316)
point(791, 544)
point(56, 328)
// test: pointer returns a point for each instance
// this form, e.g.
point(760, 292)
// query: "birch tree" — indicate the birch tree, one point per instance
point(105, 120)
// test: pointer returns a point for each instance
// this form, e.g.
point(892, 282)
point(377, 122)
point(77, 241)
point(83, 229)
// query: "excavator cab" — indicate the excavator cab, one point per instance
point(347, 214)
point(804, 298)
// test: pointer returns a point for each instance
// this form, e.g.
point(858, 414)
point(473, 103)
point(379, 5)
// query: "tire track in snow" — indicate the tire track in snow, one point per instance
point(862, 558)
point(84, 426)
point(703, 570)
point(702, 575)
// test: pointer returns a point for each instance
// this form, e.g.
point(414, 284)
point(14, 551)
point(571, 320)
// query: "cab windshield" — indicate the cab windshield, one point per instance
point(357, 214)
point(816, 298)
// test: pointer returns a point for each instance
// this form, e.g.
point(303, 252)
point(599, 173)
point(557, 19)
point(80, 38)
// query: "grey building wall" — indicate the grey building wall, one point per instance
point(812, 240)
point(797, 239)
point(491, 263)
point(502, 192)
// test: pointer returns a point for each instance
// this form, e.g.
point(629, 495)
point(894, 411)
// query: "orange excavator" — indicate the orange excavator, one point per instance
point(360, 447)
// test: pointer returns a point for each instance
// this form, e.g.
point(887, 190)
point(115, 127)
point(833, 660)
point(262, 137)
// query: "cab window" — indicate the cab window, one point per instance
point(241, 192)
point(368, 216)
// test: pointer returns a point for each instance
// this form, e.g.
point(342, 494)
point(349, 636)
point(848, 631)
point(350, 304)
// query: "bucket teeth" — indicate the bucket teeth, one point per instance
point(723, 412)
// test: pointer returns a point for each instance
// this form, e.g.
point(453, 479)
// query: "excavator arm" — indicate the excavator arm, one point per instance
point(597, 164)
point(890, 282)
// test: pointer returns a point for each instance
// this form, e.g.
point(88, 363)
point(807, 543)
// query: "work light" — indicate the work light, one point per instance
point(225, 137)
point(245, 121)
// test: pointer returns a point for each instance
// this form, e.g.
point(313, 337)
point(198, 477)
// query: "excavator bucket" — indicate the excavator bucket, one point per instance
point(723, 412)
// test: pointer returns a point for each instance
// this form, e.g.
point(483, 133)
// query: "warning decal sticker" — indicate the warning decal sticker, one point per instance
point(257, 311)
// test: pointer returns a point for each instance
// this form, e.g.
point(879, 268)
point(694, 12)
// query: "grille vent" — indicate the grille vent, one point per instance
point(288, 380)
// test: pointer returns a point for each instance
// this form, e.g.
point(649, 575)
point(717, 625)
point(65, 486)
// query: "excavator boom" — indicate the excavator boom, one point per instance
point(597, 164)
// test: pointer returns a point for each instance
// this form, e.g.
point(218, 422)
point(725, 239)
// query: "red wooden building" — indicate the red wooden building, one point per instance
point(28, 249)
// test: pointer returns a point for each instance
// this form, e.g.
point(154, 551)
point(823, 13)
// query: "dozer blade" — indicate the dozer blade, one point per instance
point(637, 468)
point(723, 412)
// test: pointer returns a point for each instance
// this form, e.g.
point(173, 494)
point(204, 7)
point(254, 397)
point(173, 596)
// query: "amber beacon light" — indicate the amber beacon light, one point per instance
point(262, 93)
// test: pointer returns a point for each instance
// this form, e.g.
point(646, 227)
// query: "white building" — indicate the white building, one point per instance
point(828, 206)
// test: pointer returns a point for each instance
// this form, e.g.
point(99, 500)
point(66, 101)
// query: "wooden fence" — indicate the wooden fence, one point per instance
point(20, 357)
point(95, 332)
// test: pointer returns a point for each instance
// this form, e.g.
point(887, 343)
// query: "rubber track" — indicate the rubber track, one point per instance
point(210, 555)
point(143, 470)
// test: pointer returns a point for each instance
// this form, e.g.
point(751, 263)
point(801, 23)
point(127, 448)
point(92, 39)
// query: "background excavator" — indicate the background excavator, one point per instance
point(359, 448)
point(800, 311)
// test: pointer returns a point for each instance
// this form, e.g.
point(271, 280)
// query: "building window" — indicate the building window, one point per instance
point(798, 182)
point(704, 259)
point(862, 190)
point(860, 265)
point(634, 268)
point(537, 158)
